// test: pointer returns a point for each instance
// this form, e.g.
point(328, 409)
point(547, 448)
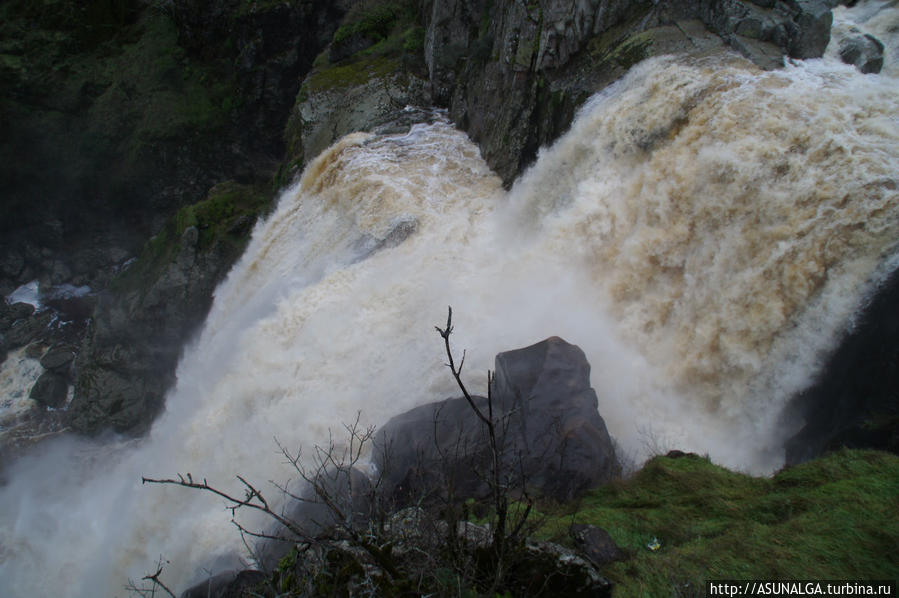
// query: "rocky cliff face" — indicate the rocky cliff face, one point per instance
point(514, 73)
point(114, 115)
point(154, 100)
point(128, 358)
point(854, 401)
point(115, 119)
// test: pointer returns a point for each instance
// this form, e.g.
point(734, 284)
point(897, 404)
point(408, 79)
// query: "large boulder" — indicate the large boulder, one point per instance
point(596, 544)
point(865, 52)
point(549, 569)
point(58, 359)
point(551, 438)
point(50, 390)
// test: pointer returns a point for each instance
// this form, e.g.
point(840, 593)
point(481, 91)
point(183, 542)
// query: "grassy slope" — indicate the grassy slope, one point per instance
point(832, 518)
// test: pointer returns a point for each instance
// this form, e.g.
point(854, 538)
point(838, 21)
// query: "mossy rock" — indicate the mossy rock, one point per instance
point(224, 219)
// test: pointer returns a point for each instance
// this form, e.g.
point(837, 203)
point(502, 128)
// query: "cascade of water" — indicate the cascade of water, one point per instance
point(704, 232)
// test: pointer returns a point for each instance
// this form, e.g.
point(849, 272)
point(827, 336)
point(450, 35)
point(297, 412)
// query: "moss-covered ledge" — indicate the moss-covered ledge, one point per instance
point(128, 358)
point(372, 70)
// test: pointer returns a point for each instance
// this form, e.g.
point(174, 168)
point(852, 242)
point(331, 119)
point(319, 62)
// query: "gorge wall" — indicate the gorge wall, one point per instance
point(705, 231)
point(511, 75)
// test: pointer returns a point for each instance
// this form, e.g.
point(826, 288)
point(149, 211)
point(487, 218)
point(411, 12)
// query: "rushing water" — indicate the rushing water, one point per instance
point(704, 232)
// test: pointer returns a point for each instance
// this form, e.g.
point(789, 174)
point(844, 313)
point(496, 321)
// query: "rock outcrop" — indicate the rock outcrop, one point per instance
point(551, 437)
point(865, 52)
point(115, 116)
point(514, 73)
point(128, 358)
point(854, 403)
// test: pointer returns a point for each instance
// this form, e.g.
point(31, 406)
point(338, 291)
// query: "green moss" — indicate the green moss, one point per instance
point(619, 46)
point(349, 73)
point(375, 19)
point(224, 219)
point(828, 519)
point(414, 40)
point(622, 52)
point(375, 23)
point(171, 92)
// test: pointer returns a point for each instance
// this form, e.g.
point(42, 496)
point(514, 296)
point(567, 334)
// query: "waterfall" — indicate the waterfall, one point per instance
point(704, 232)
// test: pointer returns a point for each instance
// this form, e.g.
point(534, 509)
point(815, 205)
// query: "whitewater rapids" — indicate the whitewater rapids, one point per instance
point(704, 233)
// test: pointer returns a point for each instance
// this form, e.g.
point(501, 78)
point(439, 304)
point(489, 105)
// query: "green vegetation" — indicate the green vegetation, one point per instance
point(348, 73)
point(832, 518)
point(392, 43)
point(375, 20)
point(827, 519)
point(619, 46)
point(224, 220)
point(100, 113)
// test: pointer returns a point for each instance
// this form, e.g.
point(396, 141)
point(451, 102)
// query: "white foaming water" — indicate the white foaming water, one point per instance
point(704, 233)
point(27, 293)
point(18, 373)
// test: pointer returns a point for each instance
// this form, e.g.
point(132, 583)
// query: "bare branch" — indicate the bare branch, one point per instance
point(252, 495)
point(156, 581)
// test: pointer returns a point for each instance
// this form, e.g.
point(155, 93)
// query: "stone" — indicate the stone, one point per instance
point(50, 390)
point(811, 33)
point(596, 544)
point(11, 264)
point(548, 569)
point(547, 388)
point(35, 350)
point(853, 402)
point(10, 314)
point(58, 359)
point(865, 52)
point(551, 435)
point(28, 330)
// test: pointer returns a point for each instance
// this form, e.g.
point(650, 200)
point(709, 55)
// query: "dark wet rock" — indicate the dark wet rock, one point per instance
point(678, 454)
point(514, 79)
point(865, 52)
point(548, 569)
point(11, 264)
point(401, 231)
point(35, 350)
point(58, 359)
point(854, 403)
point(10, 314)
point(552, 437)
point(30, 329)
point(230, 584)
point(50, 390)
point(596, 544)
point(127, 360)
